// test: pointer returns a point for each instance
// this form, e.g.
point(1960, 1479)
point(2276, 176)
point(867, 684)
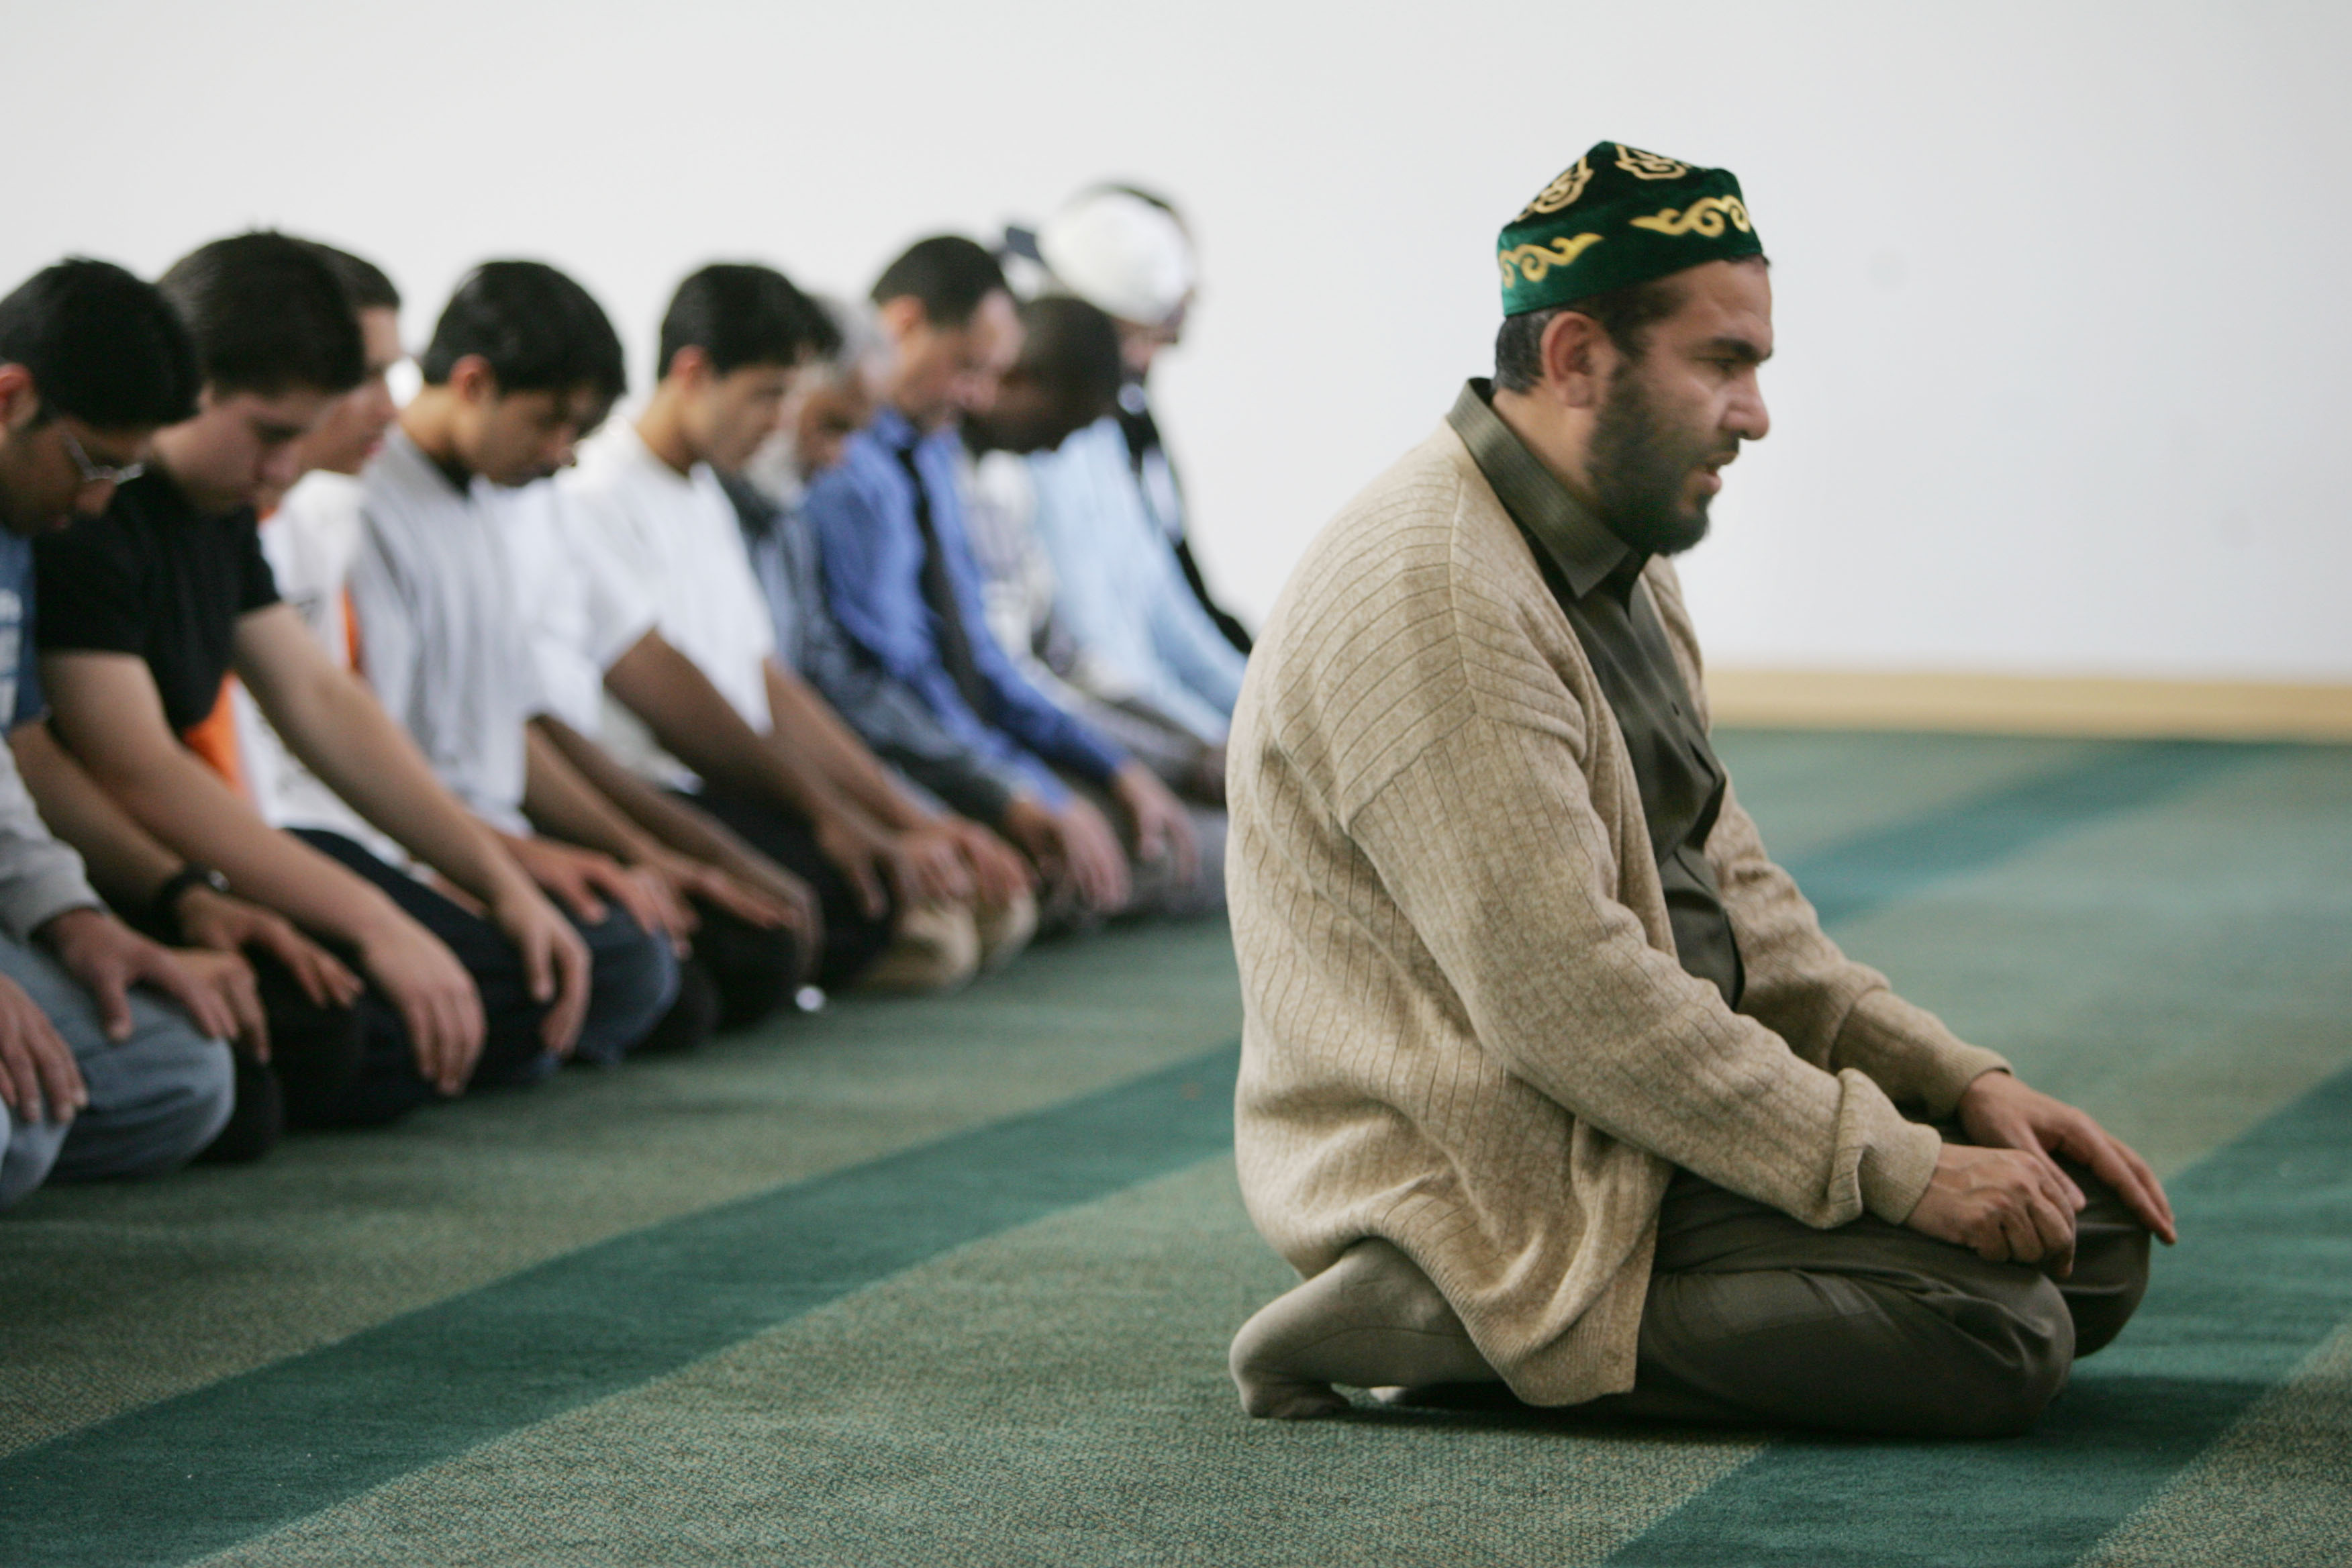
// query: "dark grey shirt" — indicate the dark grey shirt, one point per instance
point(888, 714)
point(1596, 578)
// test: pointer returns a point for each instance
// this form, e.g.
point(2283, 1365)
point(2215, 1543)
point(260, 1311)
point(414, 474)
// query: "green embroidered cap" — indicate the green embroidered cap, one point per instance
point(1620, 215)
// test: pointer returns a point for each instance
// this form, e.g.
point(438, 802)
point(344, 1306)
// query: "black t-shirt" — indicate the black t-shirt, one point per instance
point(155, 577)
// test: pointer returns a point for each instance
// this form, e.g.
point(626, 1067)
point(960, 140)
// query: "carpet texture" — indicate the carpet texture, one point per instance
point(952, 1279)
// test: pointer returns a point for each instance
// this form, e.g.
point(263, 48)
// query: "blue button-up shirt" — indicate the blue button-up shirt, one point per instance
point(864, 511)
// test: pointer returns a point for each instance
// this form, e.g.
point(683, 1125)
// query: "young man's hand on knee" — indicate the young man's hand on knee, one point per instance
point(39, 1080)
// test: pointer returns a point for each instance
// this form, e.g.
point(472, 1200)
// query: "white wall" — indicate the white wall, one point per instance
point(2064, 358)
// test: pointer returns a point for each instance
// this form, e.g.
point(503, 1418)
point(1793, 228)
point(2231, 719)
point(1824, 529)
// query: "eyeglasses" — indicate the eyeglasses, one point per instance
point(99, 473)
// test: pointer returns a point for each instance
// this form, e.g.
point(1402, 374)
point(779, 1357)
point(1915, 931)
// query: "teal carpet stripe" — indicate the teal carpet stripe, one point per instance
point(193, 1475)
point(2269, 1278)
point(1860, 874)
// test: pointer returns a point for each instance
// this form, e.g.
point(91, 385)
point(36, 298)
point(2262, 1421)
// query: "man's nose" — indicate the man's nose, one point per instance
point(1747, 418)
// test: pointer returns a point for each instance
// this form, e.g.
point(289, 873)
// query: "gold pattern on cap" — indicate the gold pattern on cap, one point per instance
point(1561, 192)
point(1535, 260)
point(1649, 166)
point(1704, 217)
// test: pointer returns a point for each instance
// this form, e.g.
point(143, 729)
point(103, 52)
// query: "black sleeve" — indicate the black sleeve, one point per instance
point(256, 584)
point(92, 586)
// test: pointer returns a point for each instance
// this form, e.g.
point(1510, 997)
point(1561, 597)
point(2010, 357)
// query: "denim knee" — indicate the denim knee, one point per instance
point(28, 1150)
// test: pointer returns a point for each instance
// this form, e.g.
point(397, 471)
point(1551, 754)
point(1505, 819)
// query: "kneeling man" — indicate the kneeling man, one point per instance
point(1550, 1079)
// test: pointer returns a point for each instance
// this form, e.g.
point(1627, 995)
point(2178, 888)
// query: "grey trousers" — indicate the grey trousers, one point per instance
point(1754, 1318)
point(155, 1099)
point(1157, 889)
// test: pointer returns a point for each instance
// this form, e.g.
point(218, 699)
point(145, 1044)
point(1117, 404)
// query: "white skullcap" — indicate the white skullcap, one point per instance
point(1121, 255)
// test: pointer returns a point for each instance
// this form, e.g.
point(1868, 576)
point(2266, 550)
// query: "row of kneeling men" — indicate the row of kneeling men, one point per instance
point(364, 752)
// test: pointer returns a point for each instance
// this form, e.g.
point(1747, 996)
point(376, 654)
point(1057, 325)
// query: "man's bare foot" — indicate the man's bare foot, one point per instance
point(1372, 1320)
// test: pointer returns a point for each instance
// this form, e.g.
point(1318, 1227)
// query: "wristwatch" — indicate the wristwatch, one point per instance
point(167, 905)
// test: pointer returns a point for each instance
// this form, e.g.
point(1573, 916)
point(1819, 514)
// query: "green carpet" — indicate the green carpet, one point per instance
point(952, 1279)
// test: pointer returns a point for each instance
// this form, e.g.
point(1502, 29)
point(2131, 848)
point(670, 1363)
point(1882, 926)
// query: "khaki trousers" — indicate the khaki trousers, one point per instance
point(940, 946)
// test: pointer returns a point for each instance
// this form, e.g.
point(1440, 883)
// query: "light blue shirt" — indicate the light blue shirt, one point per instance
point(1120, 594)
point(40, 879)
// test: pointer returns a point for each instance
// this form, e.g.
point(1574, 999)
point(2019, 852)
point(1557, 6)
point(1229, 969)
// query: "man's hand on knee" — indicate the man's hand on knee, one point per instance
point(2010, 1205)
point(39, 1080)
point(2000, 1112)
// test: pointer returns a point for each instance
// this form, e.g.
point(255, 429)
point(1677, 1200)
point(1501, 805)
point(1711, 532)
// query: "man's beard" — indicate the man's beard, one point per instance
point(1639, 465)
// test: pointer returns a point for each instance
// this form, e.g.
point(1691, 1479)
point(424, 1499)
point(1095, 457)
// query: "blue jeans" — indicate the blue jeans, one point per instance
point(155, 1098)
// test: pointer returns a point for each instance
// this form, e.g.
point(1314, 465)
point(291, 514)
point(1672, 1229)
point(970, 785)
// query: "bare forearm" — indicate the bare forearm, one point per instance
point(813, 729)
point(701, 729)
point(677, 825)
point(352, 744)
point(184, 808)
point(126, 864)
point(563, 803)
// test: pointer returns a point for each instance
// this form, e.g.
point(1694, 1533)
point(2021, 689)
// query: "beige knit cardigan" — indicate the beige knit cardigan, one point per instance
point(1466, 1029)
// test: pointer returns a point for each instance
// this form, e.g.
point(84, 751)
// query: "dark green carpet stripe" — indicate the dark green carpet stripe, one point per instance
point(1860, 874)
point(2269, 1277)
point(198, 1473)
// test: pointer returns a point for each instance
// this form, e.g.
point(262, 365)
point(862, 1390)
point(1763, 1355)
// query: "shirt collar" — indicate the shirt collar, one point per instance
point(1579, 543)
point(404, 465)
point(622, 445)
point(894, 430)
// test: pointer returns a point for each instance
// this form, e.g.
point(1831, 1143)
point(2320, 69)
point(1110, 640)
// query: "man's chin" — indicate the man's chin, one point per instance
point(1688, 538)
point(1662, 534)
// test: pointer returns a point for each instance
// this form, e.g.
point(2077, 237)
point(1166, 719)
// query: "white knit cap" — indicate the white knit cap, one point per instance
point(1121, 255)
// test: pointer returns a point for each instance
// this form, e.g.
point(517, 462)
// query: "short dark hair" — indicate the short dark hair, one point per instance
point(266, 315)
point(948, 274)
point(365, 283)
point(102, 346)
point(539, 331)
point(740, 313)
point(1074, 347)
point(1625, 313)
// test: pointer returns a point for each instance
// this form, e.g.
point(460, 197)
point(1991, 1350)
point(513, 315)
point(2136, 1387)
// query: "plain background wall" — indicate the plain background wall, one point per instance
point(2064, 354)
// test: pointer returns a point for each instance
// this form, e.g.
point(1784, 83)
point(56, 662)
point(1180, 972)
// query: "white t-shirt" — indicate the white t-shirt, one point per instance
point(580, 611)
point(675, 537)
point(311, 541)
point(442, 637)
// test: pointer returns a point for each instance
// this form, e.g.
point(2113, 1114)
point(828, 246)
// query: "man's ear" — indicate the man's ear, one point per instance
point(900, 318)
point(20, 400)
point(1577, 360)
point(473, 380)
point(689, 367)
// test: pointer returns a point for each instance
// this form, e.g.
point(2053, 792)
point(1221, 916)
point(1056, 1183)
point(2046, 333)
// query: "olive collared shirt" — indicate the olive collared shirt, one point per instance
point(1596, 578)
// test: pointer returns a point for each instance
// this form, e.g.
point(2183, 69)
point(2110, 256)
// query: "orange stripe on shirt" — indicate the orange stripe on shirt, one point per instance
point(213, 739)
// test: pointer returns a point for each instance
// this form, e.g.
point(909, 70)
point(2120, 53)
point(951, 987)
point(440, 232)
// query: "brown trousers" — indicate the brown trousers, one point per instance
point(1754, 1318)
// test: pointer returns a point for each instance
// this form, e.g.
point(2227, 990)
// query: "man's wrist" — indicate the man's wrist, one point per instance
point(58, 928)
point(1979, 1082)
point(382, 921)
point(163, 908)
point(514, 886)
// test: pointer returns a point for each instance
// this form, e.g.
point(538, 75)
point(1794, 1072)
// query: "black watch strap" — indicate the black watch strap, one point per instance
point(167, 897)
